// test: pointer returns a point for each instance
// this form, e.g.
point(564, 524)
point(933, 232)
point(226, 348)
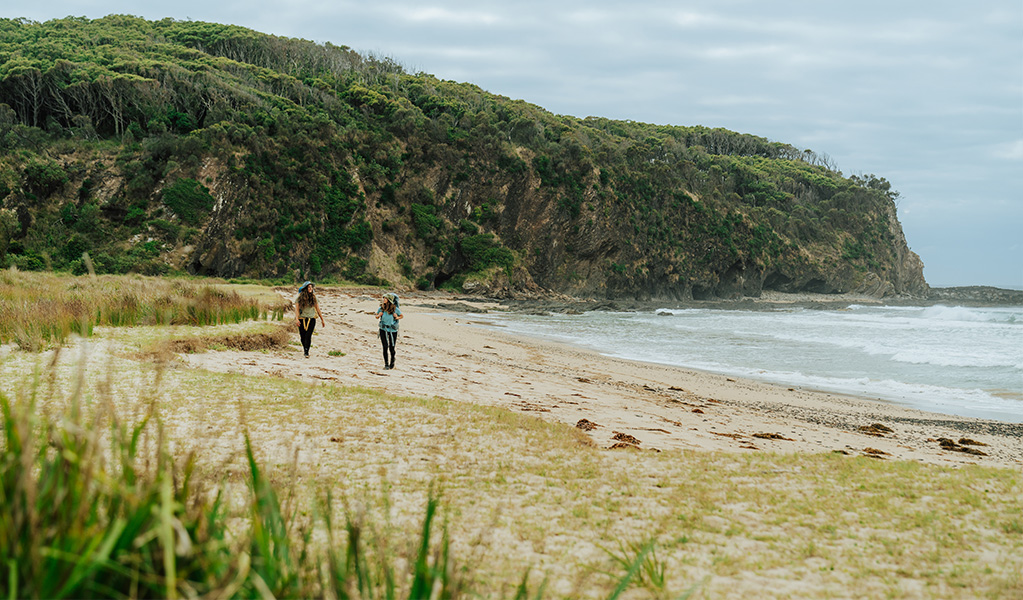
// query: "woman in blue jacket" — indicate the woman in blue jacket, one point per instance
point(389, 314)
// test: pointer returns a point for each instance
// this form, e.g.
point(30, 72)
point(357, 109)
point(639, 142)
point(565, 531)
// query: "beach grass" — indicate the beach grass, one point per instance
point(100, 500)
point(41, 309)
point(120, 516)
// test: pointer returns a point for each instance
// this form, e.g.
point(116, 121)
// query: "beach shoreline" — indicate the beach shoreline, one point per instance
point(622, 404)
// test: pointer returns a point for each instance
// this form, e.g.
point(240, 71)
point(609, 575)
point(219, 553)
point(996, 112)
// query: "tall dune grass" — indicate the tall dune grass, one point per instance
point(96, 505)
point(40, 309)
point(117, 516)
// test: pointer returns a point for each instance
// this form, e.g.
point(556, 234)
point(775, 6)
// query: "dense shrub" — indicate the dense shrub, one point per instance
point(428, 225)
point(484, 251)
point(44, 177)
point(189, 200)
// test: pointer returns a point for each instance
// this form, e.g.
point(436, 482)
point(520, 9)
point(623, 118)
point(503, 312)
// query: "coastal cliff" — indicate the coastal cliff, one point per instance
point(186, 147)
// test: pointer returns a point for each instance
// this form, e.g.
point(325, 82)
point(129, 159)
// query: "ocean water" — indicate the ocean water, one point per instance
point(946, 359)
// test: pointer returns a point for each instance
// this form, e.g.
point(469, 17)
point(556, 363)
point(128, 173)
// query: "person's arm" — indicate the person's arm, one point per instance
point(322, 322)
point(397, 313)
point(298, 317)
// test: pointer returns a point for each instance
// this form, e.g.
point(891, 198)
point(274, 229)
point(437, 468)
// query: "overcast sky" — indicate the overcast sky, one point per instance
point(925, 93)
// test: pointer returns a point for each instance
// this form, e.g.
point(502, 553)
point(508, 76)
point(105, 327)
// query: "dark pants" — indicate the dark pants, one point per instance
point(305, 331)
point(388, 339)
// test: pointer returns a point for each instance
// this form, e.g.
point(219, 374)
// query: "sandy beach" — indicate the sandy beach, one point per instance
point(620, 404)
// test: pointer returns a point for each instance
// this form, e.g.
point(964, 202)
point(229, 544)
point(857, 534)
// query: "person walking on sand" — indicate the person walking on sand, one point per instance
point(389, 314)
point(307, 309)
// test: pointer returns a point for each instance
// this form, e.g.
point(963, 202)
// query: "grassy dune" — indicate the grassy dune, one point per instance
point(40, 309)
point(524, 508)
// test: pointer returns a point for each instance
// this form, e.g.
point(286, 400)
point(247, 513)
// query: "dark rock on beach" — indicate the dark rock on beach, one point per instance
point(771, 436)
point(626, 438)
point(875, 429)
point(947, 444)
point(456, 307)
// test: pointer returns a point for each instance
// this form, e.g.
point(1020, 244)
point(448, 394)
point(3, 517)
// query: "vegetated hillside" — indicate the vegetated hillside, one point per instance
point(169, 146)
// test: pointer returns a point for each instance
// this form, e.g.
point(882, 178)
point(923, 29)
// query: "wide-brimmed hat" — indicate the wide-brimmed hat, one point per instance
point(304, 286)
point(391, 297)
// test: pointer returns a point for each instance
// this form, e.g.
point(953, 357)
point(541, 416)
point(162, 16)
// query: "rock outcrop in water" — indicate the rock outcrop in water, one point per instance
point(977, 295)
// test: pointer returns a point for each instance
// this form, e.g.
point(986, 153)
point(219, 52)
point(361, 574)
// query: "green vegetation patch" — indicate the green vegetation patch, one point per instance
point(484, 251)
point(44, 177)
point(427, 224)
point(189, 199)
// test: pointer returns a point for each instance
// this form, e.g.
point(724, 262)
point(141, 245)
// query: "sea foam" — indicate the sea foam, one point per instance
point(950, 359)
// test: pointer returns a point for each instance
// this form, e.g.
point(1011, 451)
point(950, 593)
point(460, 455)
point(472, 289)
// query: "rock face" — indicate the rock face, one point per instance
point(605, 259)
point(909, 269)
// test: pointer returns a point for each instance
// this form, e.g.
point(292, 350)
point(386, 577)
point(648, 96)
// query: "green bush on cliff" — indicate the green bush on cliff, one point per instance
point(44, 177)
point(483, 251)
point(428, 225)
point(189, 200)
